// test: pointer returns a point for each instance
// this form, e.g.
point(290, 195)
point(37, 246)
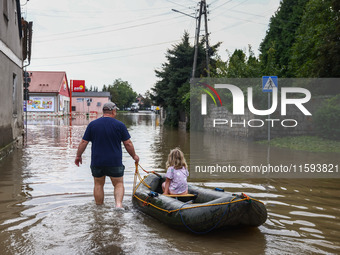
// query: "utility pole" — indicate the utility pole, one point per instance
point(197, 35)
point(202, 11)
point(206, 38)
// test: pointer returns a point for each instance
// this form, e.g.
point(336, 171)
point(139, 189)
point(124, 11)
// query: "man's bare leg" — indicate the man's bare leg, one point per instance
point(118, 193)
point(98, 190)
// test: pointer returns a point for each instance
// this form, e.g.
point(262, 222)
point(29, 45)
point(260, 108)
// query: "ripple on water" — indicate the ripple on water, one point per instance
point(50, 209)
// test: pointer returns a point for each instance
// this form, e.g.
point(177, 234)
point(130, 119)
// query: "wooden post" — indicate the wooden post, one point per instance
point(71, 88)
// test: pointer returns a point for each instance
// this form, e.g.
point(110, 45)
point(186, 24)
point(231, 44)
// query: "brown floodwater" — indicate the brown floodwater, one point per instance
point(47, 207)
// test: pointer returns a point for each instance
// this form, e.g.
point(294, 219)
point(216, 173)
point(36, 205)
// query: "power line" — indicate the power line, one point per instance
point(107, 31)
point(248, 13)
point(108, 58)
point(178, 4)
point(213, 2)
point(239, 4)
point(107, 51)
point(93, 11)
point(100, 59)
point(251, 21)
point(222, 5)
point(192, 20)
point(112, 25)
point(223, 10)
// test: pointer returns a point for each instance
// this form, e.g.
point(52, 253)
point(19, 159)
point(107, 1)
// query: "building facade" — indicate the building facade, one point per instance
point(11, 77)
point(89, 102)
point(49, 94)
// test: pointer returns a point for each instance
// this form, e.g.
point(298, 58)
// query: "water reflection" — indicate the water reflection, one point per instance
point(209, 149)
point(46, 203)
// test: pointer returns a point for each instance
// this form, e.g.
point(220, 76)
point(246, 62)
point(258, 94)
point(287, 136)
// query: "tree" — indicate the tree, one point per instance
point(92, 88)
point(276, 46)
point(327, 118)
point(238, 65)
point(329, 63)
point(316, 51)
point(174, 75)
point(121, 93)
point(270, 66)
point(147, 99)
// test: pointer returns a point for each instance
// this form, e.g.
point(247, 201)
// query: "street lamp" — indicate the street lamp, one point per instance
point(202, 10)
point(184, 13)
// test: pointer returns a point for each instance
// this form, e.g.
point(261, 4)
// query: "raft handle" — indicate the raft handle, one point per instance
point(153, 194)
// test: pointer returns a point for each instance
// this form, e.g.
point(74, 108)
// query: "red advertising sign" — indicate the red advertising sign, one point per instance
point(78, 86)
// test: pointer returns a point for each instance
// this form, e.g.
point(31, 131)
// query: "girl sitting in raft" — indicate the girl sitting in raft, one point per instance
point(176, 175)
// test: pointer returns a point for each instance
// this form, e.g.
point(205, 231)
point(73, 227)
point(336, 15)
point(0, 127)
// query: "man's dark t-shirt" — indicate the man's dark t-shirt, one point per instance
point(106, 135)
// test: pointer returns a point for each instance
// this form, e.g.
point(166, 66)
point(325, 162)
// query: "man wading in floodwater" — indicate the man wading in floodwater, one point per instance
point(106, 135)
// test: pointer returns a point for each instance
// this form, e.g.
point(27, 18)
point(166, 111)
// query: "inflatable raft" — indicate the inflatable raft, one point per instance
point(201, 211)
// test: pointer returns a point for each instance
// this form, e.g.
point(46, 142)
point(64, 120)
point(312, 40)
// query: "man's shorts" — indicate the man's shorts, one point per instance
point(113, 171)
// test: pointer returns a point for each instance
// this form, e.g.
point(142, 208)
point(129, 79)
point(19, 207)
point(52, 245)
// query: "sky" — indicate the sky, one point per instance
point(100, 41)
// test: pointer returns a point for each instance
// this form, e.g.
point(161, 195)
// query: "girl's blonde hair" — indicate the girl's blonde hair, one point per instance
point(176, 159)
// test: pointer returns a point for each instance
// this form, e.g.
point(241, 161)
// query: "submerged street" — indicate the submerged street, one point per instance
point(47, 207)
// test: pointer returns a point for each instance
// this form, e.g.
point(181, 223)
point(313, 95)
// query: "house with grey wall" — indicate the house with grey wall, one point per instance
point(11, 77)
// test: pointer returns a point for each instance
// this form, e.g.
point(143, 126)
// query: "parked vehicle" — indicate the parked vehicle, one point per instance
point(134, 107)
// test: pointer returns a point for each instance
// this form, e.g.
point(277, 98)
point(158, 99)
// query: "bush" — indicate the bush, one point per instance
point(327, 119)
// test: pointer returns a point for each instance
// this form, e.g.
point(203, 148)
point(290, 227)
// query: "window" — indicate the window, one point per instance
point(73, 108)
point(5, 8)
point(99, 104)
point(14, 94)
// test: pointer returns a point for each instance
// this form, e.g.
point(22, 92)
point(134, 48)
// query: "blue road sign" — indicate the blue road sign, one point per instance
point(268, 83)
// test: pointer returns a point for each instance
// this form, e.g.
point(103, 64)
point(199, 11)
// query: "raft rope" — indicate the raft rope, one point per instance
point(148, 172)
point(243, 196)
point(137, 175)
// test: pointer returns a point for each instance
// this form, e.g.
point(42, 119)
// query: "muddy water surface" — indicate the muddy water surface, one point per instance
point(46, 203)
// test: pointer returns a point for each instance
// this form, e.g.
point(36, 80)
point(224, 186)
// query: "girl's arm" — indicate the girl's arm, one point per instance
point(167, 185)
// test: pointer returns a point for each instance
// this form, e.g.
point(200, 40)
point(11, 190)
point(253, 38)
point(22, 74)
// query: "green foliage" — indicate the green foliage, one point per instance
point(147, 102)
point(121, 93)
point(269, 66)
point(329, 60)
point(238, 65)
point(317, 42)
point(170, 91)
point(305, 143)
point(327, 119)
point(193, 98)
point(302, 41)
point(276, 46)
